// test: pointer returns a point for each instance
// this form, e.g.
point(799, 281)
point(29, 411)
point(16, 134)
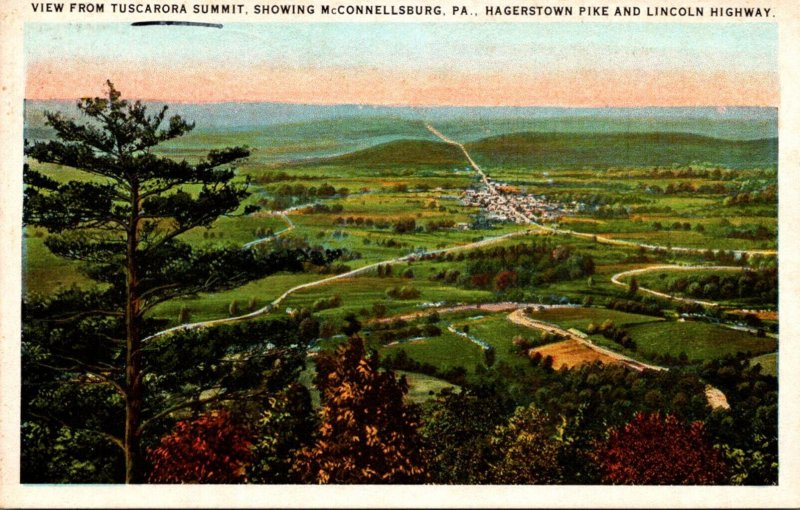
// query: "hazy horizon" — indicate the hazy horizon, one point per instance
point(413, 64)
point(468, 123)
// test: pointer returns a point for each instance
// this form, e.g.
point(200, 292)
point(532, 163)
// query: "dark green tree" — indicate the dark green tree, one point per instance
point(284, 425)
point(123, 223)
point(633, 287)
point(458, 428)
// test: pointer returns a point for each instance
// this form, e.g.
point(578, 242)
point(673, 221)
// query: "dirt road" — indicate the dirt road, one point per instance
point(349, 274)
point(289, 227)
point(583, 235)
point(486, 307)
point(518, 317)
point(616, 280)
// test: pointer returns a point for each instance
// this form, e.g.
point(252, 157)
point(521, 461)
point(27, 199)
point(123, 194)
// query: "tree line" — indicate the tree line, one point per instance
point(107, 398)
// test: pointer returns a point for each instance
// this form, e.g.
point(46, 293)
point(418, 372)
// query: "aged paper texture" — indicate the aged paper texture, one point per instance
point(399, 254)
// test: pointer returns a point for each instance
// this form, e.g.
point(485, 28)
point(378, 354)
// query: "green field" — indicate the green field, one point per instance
point(445, 351)
point(698, 340)
point(386, 170)
point(43, 272)
point(580, 318)
point(498, 331)
point(768, 362)
point(422, 387)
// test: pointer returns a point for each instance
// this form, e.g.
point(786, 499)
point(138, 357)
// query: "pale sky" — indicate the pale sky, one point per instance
point(530, 64)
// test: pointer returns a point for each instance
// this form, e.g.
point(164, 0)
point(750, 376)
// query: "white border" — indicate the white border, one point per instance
point(13, 13)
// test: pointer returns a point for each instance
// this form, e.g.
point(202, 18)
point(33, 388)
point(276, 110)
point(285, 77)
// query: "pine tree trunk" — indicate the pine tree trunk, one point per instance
point(133, 358)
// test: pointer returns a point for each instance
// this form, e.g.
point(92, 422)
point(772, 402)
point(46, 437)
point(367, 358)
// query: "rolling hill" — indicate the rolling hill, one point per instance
point(401, 152)
point(555, 150)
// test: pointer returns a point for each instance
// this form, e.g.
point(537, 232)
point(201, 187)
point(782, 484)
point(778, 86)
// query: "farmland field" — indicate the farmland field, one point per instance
point(392, 189)
point(572, 354)
point(698, 340)
point(421, 387)
point(581, 317)
point(768, 362)
point(445, 351)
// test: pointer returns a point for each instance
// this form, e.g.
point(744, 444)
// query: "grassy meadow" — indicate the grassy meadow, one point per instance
point(396, 191)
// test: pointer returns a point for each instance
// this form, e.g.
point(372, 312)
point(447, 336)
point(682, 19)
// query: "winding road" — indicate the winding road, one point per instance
point(355, 272)
point(584, 235)
point(289, 228)
point(483, 307)
point(616, 280)
point(414, 256)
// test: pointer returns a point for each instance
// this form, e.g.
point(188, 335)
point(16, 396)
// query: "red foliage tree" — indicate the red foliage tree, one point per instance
point(660, 450)
point(504, 280)
point(210, 449)
point(480, 280)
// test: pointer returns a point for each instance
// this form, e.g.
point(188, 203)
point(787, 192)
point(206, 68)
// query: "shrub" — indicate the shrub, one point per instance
point(326, 303)
point(210, 449)
point(404, 292)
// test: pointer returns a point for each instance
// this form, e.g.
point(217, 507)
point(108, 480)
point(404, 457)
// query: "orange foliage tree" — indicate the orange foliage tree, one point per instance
point(210, 449)
point(660, 450)
point(368, 434)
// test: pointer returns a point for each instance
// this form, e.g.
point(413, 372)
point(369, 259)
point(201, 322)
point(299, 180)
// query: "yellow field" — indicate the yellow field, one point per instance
point(571, 353)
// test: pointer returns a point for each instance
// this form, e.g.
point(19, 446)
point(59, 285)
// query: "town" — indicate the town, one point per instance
point(503, 202)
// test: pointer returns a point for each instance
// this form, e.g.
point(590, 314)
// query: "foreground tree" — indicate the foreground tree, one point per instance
point(283, 426)
point(528, 452)
point(368, 433)
point(123, 223)
point(458, 429)
point(660, 450)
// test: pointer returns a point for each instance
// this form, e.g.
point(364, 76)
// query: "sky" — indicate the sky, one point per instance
point(416, 64)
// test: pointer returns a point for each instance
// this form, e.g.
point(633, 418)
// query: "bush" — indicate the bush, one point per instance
point(210, 449)
point(378, 309)
point(326, 303)
point(660, 450)
point(404, 292)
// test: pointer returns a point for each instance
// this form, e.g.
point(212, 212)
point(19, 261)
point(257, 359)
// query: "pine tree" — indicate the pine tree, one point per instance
point(123, 223)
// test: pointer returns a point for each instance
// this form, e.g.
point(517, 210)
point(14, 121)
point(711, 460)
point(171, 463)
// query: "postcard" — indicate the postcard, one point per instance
point(390, 254)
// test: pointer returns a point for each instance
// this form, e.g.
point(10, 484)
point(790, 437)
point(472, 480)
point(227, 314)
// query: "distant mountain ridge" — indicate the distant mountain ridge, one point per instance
point(471, 122)
point(547, 137)
point(401, 152)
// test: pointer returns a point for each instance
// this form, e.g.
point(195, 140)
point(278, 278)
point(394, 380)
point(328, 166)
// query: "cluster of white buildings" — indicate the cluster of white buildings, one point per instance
point(504, 205)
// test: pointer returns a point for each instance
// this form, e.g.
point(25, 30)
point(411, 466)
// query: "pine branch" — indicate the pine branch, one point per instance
point(79, 315)
point(221, 397)
point(105, 435)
